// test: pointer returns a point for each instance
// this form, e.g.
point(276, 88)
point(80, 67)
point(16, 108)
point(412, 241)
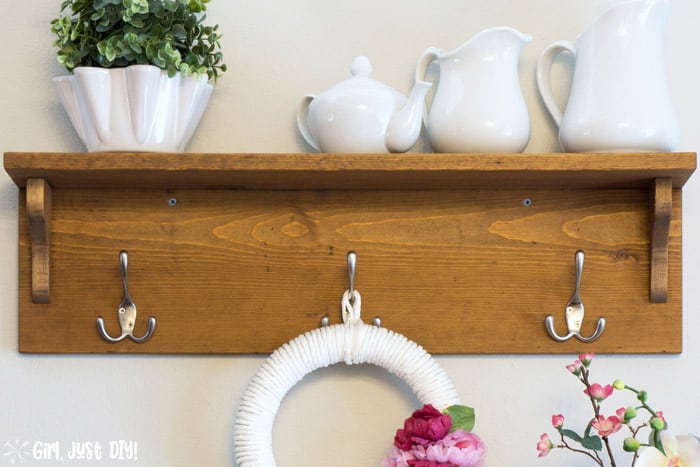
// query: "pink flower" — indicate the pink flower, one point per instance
point(599, 392)
point(606, 426)
point(557, 421)
point(544, 445)
point(586, 358)
point(402, 440)
point(459, 448)
point(575, 367)
point(427, 463)
point(661, 416)
point(397, 458)
point(425, 425)
point(621, 413)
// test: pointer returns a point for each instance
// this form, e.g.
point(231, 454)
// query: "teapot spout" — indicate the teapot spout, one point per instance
point(404, 127)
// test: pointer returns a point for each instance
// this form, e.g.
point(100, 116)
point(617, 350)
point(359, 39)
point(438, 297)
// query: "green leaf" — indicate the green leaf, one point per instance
point(462, 417)
point(179, 32)
point(102, 3)
point(592, 442)
point(571, 434)
point(655, 440)
point(124, 32)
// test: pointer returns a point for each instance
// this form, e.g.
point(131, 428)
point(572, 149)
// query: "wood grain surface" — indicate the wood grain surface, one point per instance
point(457, 270)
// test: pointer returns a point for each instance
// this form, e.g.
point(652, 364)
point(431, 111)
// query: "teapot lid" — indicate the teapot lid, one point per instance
point(361, 66)
point(361, 69)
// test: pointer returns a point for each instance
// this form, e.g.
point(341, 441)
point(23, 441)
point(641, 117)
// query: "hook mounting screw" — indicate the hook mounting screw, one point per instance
point(126, 311)
point(574, 311)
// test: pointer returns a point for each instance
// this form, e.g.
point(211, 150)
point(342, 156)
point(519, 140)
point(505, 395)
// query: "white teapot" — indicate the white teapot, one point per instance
point(362, 115)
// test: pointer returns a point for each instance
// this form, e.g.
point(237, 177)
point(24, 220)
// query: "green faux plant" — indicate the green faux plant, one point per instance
point(169, 34)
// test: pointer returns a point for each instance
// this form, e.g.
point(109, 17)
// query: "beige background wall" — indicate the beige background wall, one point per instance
point(180, 410)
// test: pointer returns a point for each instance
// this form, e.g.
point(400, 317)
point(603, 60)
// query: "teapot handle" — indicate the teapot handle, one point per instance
point(544, 68)
point(302, 122)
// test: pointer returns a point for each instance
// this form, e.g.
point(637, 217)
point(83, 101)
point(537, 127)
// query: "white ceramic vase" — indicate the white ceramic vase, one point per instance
point(136, 108)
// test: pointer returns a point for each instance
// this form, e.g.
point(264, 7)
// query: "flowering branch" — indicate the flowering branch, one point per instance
point(593, 444)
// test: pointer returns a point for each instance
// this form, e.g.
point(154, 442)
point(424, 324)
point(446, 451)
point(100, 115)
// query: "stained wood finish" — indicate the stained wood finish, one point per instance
point(350, 171)
point(39, 217)
point(662, 192)
point(244, 270)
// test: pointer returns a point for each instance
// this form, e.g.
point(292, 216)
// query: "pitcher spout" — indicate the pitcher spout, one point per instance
point(503, 35)
point(403, 130)
point(500, 40)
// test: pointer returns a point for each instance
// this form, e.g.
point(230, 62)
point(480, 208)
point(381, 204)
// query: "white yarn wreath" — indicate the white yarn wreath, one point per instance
point(352, 342)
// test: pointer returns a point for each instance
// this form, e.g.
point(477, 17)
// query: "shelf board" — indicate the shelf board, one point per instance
point(349, 171)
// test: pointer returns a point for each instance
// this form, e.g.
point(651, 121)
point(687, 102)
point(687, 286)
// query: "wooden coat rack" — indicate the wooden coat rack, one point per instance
point(238, 253)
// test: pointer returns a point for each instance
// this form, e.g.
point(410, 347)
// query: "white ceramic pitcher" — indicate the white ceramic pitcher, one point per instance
point(619, 99)
point(478, 105)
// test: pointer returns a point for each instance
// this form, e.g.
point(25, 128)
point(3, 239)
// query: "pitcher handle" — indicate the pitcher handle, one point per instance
point(427, 57)
point(302, 123)
point(544, 68)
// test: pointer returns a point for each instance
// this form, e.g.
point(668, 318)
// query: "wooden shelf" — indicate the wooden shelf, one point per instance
point(238, 253)
point(349, 171)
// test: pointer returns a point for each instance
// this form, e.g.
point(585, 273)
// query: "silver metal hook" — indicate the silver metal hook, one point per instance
point(351, 299)
point(126, 311)
point(352, 265)
point(574, 311)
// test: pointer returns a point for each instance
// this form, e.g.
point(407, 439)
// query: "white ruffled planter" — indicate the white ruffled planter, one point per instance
point(136, 108)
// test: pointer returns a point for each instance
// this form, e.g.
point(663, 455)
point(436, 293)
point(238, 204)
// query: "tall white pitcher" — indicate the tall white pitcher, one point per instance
point(478, 105)
point(619, 99)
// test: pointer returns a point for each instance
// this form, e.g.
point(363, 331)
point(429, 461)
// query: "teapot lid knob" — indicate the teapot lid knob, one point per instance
point(361, 66)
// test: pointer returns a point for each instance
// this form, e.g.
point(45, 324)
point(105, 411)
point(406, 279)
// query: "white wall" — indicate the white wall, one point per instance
point(180, 410)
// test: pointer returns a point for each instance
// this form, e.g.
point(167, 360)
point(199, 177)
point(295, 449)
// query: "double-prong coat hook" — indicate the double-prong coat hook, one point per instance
point(351, 295)
point(574, 312)
point(126, 311)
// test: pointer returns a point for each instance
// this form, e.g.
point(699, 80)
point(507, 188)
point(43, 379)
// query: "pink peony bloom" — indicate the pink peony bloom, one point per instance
point(557, 421)
point(460, 448)
point(599, 392)
point(426, 463)
point(425, 425)
point(397, 458)
point(402, 439)
point(607, 426)
point(544, 445)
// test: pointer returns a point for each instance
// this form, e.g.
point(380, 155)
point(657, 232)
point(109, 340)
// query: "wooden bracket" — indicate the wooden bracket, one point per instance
point(662, 198)
point(39, 215)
